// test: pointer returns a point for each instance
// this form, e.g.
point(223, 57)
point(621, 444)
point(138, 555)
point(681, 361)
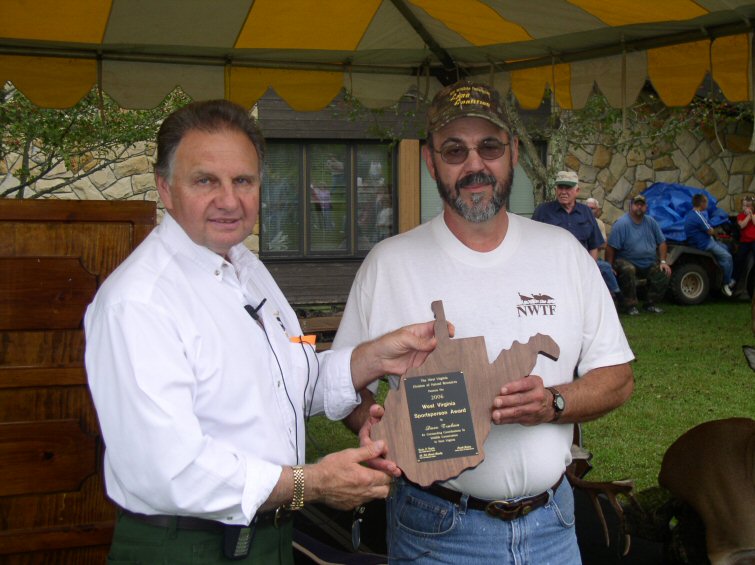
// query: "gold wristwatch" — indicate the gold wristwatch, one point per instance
point(297, 501)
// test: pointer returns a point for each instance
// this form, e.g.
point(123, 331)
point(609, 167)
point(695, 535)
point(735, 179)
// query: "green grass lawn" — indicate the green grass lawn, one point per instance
point(689, 369)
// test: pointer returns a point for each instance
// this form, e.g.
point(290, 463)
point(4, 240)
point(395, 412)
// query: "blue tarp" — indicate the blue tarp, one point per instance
point(668, 203)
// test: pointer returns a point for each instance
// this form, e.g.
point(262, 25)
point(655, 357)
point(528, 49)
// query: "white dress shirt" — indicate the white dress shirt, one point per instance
point(198, 410)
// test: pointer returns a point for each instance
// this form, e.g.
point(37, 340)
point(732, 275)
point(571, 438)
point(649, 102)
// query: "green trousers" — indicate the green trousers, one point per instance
point(137, 543)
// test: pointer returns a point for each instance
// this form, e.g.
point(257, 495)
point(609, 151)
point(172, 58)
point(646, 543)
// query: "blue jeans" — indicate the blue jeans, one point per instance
point(608, 277)
point(722, 255)
point(424, 529)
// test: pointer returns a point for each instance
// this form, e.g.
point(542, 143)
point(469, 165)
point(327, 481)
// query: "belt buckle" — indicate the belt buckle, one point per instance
point(282, 513)
point(505, 510)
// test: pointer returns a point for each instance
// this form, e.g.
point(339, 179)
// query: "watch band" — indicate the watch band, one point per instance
point(297, 501)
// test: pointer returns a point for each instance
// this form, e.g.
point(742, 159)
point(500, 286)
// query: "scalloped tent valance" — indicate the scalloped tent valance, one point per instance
point(55, 51)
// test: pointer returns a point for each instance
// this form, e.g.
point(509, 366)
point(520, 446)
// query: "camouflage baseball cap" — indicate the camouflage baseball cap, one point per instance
point(466, 99)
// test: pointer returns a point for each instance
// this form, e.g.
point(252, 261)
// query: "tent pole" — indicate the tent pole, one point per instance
point(100, 97)
point(227, 79)
point(752, 87)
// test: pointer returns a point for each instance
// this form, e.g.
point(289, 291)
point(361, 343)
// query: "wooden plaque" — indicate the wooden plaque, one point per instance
point(438, 419)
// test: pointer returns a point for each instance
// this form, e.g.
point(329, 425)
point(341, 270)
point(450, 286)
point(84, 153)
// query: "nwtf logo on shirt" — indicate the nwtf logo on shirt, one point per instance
point(534, 304)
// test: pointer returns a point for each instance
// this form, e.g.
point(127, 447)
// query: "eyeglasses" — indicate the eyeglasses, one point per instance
point(455, 153)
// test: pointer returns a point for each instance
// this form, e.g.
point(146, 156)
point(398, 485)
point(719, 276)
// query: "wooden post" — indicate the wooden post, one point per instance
point(409, 156)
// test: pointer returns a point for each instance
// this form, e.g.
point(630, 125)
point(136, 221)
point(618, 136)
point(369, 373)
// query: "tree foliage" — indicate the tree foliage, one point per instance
point(35, 143)
point(647, 125)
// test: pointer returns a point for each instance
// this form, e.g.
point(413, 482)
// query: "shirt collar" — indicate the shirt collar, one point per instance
point(574, 210)
point(454, 247)
point(175, 236)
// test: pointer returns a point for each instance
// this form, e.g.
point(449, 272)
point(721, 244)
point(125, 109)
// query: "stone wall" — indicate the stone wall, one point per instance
point(130, 178)
point(720, 164)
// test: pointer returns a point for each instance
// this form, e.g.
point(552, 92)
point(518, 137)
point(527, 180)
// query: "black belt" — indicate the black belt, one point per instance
point(501, 509)
point(272, 518)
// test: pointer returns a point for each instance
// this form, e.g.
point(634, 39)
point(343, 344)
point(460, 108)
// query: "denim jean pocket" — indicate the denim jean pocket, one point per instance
point(562, 504)
point(422, 513)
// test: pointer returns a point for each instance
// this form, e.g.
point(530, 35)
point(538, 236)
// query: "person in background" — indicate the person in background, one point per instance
point(637, 248)
point(578, 219)
point(491, 269)
point(699, 234)
point(201, 378)
point(597, 211)
point(746, 238)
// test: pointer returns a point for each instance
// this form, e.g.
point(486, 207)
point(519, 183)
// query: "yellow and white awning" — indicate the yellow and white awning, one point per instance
point(55, 51)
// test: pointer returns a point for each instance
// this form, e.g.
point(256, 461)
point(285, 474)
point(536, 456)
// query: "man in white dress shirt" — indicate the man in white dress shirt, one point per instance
point(200, 377)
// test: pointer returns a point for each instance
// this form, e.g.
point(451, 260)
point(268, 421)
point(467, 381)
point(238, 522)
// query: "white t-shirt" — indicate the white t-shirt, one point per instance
point(538, 280)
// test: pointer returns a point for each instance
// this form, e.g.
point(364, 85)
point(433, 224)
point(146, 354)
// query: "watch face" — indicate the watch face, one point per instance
point(558, 402)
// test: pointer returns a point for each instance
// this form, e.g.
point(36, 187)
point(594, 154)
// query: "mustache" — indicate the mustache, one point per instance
point(475, 178)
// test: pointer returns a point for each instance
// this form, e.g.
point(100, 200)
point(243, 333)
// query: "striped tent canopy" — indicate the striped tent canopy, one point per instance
point(137, 51)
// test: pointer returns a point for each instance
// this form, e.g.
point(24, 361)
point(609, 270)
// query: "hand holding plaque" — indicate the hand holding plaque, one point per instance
point(436, 422)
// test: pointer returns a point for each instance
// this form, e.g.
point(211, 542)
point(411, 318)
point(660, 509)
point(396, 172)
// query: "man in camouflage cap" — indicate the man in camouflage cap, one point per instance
point(507, 278)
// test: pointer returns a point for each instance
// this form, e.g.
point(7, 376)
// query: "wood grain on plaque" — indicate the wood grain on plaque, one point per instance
point(483, 381)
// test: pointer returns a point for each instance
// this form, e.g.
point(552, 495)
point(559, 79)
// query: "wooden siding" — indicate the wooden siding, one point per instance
point(314, 282)
point(279, 121)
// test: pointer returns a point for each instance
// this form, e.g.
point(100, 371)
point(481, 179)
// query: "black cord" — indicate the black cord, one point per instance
point(253, 312)
point(306, 384)
point(285, 387)
point(311, 440)
point(308, 413)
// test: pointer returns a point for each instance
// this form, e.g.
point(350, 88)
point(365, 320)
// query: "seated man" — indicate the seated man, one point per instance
point(597, 211)
point(700, 235)
point(580, 221)
point(637, 247)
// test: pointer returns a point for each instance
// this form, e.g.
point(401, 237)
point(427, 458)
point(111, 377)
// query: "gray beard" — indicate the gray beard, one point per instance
point(478, 211)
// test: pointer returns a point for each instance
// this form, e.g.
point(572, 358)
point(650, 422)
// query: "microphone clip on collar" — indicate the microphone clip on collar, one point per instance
point(253, 312)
